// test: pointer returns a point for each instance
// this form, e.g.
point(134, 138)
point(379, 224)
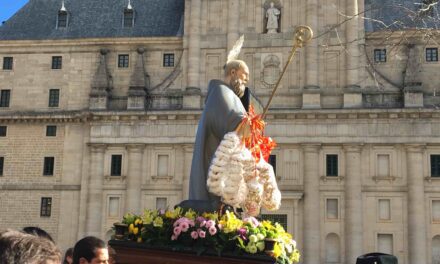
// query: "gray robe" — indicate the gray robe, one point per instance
point(222, 113)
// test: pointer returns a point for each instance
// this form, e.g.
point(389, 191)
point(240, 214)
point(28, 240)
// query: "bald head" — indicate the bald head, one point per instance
point(237, 75)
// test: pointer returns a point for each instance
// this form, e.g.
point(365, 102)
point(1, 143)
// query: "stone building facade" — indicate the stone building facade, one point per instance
point(358, 156)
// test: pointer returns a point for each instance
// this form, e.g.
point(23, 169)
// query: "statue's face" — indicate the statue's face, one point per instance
point(239, 79)
point(271, 4)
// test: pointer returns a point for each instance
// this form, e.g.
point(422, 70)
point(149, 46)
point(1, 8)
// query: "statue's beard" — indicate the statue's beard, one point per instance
point(237, 86)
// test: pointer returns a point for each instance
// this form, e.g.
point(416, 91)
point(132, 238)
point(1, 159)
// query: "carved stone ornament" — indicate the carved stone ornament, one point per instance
point(271, 70)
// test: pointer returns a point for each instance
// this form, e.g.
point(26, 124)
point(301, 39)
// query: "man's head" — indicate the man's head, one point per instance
point(90, 250)
point(36, 231)
point(237, 76)
point(17, 248)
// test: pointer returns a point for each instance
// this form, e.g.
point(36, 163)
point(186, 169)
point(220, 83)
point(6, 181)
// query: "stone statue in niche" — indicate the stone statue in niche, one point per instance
point(272, 16)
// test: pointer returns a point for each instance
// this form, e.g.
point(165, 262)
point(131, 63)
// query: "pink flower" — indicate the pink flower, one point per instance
point(194, 234)
point(203, 223)
point(212, 230)
point(184, 226)
point(220, 226)
point(173, 237)
point(202, 234)
point(177, 230)
point(210, 223)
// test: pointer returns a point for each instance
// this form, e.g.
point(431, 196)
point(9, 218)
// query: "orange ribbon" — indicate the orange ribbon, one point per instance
point(256, 142)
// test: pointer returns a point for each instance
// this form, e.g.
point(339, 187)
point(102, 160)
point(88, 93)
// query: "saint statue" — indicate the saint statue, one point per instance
point(272, 15)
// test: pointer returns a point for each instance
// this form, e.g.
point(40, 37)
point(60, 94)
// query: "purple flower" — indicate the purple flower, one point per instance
point(203, 223)
point(194, 234)
point(212, 230)
point(242, 233)
point(200, 219)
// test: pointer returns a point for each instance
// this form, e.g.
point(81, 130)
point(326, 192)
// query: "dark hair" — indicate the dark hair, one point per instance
point(17, 247)
point(36, 231)
point(85, 248)
point(69, 253)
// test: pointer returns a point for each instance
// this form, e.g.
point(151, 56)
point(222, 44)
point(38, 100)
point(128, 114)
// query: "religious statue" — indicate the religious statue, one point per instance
point(272, 15)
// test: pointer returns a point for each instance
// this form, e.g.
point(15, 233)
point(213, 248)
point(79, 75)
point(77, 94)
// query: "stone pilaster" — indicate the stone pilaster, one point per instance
point(312, 50)
point(187, 159)
point(134, 178)
point(233, 22)
point(94, 202)
point(416, 205)
point(311, 205)
point(194, 44)
point(353, 203)
point(352, 39)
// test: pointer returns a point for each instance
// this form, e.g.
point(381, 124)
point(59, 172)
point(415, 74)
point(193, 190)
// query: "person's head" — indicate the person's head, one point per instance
point(68, 257)
point(111, 255)
point(271, 4)
point(90, 250)
point(237, 76)
point(18, 248)
point(36, 231)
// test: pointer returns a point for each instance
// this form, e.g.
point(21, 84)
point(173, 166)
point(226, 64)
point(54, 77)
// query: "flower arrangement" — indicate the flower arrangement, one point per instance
point(180, 229)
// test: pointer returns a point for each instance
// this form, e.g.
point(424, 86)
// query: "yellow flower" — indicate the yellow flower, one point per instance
point(190, 214)
point(148, 217)
point(277, 250)
point(210, 216)
point(295, 256)
point(135, 231)
point(139, 240)
point(173, 214)
point(158, 222)
point(130, 228)
point(230, 223)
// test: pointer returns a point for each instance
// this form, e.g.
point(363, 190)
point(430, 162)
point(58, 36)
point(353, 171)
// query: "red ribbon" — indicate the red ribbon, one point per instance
point(256, 142)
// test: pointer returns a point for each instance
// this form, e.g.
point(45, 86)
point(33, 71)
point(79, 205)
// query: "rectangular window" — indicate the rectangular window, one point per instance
point(57, 62)
point(385, 243)
point(435, 165)
point(168, 60)
point(435, 211)
point(384, 209)
point(2, 161)
point(383, 165)
point(332, 209)
point(128, 18)
point(116, 165)
point(273, 162)
point(431, 54)
point(46, 206)
point(161, 203)
point(51, 131)
point(5, 96)
point(62, 19)
point(3, 131)
point(332, 165)
point(162, 165)
point(49, 163)
point(380, 55)
point(276, 218)
point(113, 207)
point(123, 61)
point(54, 97)
point(8, 63)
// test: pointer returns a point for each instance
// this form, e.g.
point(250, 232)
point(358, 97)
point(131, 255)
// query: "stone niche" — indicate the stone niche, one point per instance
point(272, 16)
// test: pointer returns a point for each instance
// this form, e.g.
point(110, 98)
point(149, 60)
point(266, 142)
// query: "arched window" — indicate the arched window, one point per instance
point(332, 249)
point(435, 250)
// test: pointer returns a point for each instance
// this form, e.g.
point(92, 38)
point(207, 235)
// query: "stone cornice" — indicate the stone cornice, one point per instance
point(90, 42)
point(333, 115)
point(43, 187)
